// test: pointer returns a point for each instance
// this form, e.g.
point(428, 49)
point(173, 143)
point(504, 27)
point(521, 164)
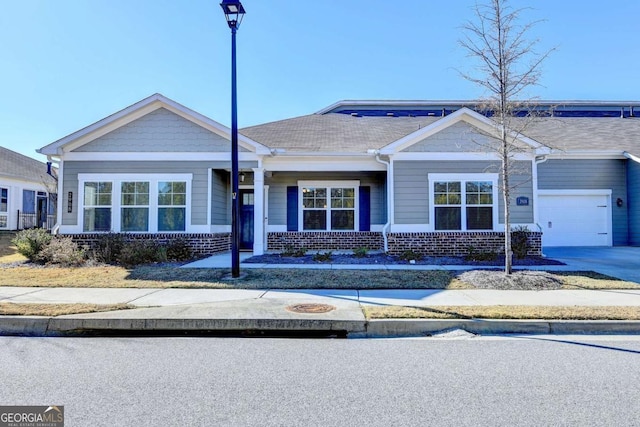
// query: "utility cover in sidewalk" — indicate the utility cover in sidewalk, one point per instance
point(311, 308)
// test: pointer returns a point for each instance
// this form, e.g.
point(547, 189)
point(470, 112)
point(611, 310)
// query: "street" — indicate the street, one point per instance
point(475, 381)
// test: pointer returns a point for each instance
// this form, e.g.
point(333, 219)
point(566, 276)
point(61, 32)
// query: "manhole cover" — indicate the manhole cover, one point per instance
point(311, 308)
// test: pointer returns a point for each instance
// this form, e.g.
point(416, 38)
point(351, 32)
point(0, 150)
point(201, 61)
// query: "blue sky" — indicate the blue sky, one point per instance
point(66, 64)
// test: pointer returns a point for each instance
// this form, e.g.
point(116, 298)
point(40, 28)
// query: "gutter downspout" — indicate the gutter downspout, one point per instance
point(56, 226)
point(537, 161)
point(385, 228)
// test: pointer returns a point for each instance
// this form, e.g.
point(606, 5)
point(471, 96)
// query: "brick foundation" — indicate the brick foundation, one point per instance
point(322, 240)
point(201, 244)
point(432, 244)
point(456, 243)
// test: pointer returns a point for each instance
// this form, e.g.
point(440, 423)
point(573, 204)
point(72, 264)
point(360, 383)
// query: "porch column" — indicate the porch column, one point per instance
point(258, 211)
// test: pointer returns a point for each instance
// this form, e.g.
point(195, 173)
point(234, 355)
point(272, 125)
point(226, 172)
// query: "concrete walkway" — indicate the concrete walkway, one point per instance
point(244, 298)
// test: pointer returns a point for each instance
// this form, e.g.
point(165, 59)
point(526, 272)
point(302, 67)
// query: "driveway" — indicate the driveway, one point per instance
point(622, 262)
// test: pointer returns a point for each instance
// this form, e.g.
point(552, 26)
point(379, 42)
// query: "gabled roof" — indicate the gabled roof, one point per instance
point(17, 166)
point(136, 111)
point(335, 133)
point(464, 114)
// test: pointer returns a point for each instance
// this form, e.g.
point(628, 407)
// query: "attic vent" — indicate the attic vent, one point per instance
point(355, 115)
point(390, 114)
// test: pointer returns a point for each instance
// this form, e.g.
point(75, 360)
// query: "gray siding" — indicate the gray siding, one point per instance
point(159, 131)
point(279, 182)
point(220, 200)
point(633, 202)
point(199, 184)
point(591, 175)
point(460, 137)
point(411, 188)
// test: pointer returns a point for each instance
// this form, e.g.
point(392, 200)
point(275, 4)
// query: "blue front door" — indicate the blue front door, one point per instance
point(246, 219)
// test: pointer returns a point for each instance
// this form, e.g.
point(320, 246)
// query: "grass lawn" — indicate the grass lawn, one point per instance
point(173, 277)
point(8, 309)
point(8, 252)
point(503, 312)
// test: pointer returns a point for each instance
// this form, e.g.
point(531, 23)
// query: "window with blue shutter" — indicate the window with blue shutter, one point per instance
point(365, 209)
point(292, 208)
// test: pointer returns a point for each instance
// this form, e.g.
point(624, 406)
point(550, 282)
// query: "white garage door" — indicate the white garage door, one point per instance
point(575, 219)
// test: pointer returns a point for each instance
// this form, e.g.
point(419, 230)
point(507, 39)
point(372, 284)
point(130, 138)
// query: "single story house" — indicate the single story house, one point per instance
point(27, 192)
point(393, 175)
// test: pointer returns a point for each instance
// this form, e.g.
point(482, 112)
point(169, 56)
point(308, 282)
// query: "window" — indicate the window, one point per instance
point(4, 207)
point(97, 206)
point(172, 206)
point(135, 203)
point(329, 206)
point(4, 200)
point(464, 204)
point(134, 214)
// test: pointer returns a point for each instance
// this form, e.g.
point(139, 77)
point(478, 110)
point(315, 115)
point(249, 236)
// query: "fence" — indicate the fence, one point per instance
point(31, 220)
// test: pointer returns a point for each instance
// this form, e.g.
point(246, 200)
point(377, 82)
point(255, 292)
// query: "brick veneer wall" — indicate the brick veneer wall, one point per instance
point(201, 244)
point(323, 240)
point(456, 243)
point(434, 244)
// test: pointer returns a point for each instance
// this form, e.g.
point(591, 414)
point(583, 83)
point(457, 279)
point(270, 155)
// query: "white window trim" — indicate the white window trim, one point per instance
point(462, 178)
point(355, 184)
point(117, 180)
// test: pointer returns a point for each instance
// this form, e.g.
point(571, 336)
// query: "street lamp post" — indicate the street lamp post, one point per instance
point(233, 12)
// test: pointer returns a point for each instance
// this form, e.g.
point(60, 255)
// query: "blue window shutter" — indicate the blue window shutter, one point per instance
point(292, 208)
point(365, 209)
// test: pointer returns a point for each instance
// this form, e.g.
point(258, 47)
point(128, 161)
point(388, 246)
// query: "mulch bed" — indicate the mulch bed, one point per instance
point(389, 259)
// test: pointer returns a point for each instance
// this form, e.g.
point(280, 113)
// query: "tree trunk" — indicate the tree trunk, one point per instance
point(508, 252)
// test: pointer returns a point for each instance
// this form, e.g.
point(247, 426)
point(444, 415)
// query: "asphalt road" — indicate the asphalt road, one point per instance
point(499, 381)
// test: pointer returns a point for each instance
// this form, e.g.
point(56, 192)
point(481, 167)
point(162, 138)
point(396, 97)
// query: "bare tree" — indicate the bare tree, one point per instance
point(508, 66)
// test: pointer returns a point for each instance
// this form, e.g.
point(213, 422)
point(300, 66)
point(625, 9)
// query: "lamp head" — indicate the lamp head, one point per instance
point(233, 12)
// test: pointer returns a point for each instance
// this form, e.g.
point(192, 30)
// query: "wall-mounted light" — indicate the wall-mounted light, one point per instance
point(241, 177)
point(70, 202)
point(619, 202)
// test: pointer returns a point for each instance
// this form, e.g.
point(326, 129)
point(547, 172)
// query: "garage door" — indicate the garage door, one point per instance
point(575, 220)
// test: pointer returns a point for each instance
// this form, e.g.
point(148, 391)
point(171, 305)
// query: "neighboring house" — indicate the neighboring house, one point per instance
point(27, 192)
point(395, 175)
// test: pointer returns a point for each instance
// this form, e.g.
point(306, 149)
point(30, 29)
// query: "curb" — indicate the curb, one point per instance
point(379, 328)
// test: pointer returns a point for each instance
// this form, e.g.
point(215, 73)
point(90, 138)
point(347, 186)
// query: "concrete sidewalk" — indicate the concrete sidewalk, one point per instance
point(222, 310)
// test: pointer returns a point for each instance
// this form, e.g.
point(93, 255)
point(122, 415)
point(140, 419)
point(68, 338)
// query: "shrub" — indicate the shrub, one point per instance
point(410, 255)
point(179, 249)
point(360, 252)
point(135, 252)
point(291, 250)
point(63, 251)
point(108, 248)
point(31, 242)
point(322, 256)
point(474, 255)
point(520, 241)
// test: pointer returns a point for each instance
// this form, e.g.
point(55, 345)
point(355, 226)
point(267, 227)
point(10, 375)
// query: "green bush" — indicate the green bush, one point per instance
point(63, 251)
point(31, 242)
point(322, 256)
point(291, 250)
point(410, 255)
point(520, 241)
point(108, 248)
point(360, 252)
point(135, 252)
point(179, 249)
